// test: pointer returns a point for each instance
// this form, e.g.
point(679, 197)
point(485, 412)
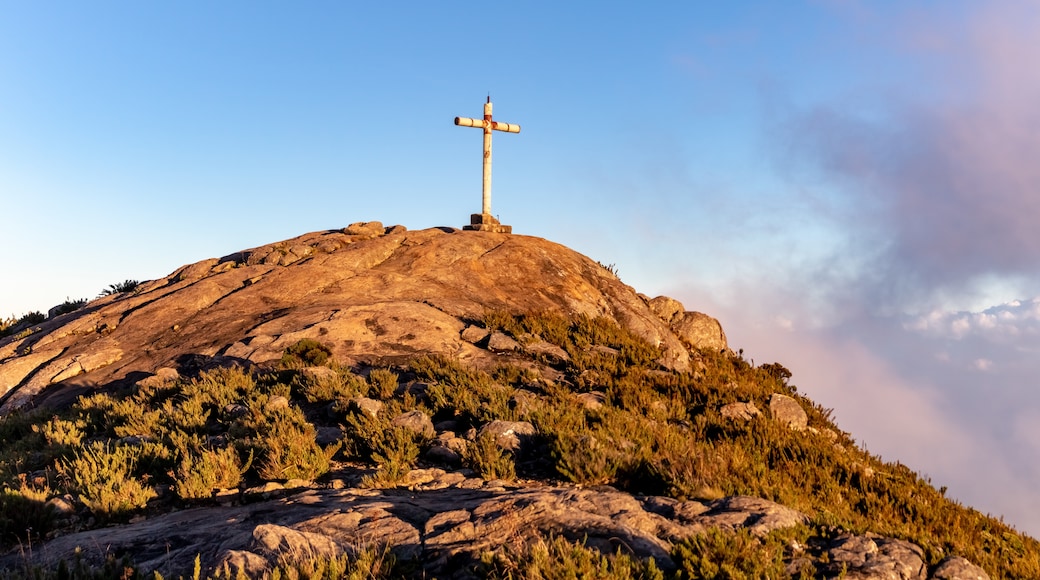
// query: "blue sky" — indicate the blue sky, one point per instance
point(848, 186)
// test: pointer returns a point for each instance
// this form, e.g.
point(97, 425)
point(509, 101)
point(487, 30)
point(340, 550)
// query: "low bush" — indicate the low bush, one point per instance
point(306, 353)
point(556, 558)
point(24, 516)
point(287, 448)
point(488, 460)
point(104, 479)
point(120, 288)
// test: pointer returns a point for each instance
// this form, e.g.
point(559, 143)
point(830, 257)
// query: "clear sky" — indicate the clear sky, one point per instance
point(850, 187)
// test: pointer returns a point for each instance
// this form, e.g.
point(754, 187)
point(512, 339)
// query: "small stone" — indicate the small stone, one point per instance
point(421, 476)
point(368, 229)
point(318, 373)
point(745, 411)
point(443, 455)
point(417, 422)
point(592, 400)
point(499, 342)
point(365, 405)
point(60, 506)
point(474, 334)
point(276, 403)
point(508, 433)
point(958, 568)
point(787, 410)
point(548, 351)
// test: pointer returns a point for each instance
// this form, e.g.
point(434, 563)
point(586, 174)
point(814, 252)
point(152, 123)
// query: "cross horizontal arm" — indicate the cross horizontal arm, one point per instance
point(482, 123)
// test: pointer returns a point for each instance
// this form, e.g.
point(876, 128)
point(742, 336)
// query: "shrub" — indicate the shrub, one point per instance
point(70, 306)
point(383, 383)
point(203, 470)
point(61, 433)
point(723, 555)
point(306, 352)
point(104, 479)
point(343, 385)
point(585, 460)
point(120, 288)
point(485, 457)
point(558, 558)
point(288, 448)
point(393, 449)
point(24, 515)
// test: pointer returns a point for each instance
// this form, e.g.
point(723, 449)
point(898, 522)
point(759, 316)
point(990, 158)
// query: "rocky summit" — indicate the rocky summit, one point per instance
point(369, 292)
point(381, 403)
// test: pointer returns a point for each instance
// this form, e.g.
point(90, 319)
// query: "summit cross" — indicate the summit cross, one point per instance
point(484, 221)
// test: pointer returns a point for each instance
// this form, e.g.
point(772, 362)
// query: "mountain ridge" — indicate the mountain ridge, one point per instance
point(462, 401)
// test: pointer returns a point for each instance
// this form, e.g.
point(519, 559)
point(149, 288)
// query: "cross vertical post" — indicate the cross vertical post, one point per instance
point(484, 220)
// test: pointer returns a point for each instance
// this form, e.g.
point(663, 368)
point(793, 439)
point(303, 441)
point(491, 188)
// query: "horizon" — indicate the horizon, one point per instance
point(848, 187)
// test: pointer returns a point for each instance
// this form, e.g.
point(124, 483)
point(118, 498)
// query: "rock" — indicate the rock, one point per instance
point(161, 377)
point(61, 506)
point(548, 351)
point(276, 403)
point(398, 229)
point(415, 421)
point(508, 434)
point(592, 401)
point(438, 522)
point(370, 407)
point(499, 342)
point(759, 515)
point(474, 334)
point(274, 541)
point(787, 410)
point(443, 455)
point(699, 331)
point(873, 557)
point(369, 229)
point(744, 411)
point(667, 309)
point(317, 374)
point(243, 563)
point(370, 298)
point(958, 568)
point(327, 435)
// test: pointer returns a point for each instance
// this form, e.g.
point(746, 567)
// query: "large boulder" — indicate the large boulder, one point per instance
point(695, 329)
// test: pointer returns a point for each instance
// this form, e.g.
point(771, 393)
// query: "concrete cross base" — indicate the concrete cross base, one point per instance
point(482, 222)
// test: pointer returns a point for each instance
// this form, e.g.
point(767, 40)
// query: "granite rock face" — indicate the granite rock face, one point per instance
point(445, 522)
point(367, 291)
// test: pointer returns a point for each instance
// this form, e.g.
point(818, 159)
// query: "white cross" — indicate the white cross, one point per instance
point(488, 125)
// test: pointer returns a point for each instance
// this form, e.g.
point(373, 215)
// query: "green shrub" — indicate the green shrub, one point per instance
point(59, 432)
point(24, 515)
point(202, 470)
point(383, 383)
point(343, 385)
point(724, 555)
point(103, 477)
point(306, 353)
point(70, 306)
point(559, 559)
point(584, 459)
point(485, 457)
point(120, 288)
point(288, 450)
point(394, 451)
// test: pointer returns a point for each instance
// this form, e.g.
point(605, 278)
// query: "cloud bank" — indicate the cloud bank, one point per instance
point(916, 319)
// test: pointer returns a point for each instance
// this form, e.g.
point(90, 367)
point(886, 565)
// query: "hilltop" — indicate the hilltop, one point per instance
point(441, 403)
